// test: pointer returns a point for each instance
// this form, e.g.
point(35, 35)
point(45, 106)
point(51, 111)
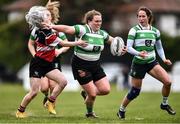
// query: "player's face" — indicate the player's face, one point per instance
point(47, 17)
point(142, 18)
point(96, 23)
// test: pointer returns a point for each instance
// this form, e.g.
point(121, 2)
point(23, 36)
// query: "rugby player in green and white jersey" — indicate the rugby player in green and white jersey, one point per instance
point(142, 41)
point(85, 62)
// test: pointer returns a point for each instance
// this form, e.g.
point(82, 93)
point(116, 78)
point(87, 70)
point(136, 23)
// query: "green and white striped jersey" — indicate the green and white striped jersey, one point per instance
point(144, 40)
point(95, 42)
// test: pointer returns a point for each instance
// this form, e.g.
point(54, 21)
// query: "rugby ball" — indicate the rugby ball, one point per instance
point(117, 46)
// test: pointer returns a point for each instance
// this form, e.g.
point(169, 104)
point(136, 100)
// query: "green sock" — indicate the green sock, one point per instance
point(89, 108)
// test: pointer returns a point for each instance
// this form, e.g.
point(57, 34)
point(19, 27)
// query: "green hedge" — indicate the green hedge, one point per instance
point(172, 49)
point(13, 45)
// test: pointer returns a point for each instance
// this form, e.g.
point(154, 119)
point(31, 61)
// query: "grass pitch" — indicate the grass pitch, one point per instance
point(71, 109)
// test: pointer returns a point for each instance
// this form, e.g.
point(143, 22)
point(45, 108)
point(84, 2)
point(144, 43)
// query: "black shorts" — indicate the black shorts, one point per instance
point(86, 71)
point(39, 67)
point(57, 64)
point(140, 70)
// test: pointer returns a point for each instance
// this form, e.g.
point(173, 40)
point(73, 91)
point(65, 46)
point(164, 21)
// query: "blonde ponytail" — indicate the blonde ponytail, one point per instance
point(53, 7)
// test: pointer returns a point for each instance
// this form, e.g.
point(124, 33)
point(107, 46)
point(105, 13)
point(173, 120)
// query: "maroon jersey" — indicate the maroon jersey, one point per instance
point(45, 42)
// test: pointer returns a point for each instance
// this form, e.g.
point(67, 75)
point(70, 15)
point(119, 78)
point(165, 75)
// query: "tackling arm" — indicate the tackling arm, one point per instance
point(63, 28)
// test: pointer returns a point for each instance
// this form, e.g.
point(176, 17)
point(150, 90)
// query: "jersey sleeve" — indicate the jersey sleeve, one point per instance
point(159, 46)
point(130, 42)
point(62, 36)
point(158, 35)
point(80, 30)
point(131, 34)
point(32, 35)
point(105, 35)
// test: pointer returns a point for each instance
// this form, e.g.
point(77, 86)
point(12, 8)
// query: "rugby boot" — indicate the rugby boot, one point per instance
point(50, 106)
point(91, 115)
point(121, 114)
point(168, 109)
point(20, 114)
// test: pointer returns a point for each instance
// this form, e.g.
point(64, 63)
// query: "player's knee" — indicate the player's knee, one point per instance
point(167, 84)
point(133, 93)
point(92, 96)
point(108, 90)
point(105, 91)
point(44, 90)
point(63, 83)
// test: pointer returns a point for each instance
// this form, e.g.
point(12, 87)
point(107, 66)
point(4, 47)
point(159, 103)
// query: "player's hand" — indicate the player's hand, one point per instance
point(47, 25)
point(143, 54)
point(124, 50)
point(167, 62)
point(82, 43)
point(58, 52)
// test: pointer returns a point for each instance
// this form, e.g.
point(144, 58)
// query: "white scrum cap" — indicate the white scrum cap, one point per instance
point(35, 16)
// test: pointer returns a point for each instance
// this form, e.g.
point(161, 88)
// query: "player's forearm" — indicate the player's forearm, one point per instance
point(131, 50)
point(68, 44)
point(31, 48)
point(160, 50)
point(64, 28)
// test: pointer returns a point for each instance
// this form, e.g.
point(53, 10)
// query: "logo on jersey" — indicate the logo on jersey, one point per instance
point(96, 48)
point(148, 43)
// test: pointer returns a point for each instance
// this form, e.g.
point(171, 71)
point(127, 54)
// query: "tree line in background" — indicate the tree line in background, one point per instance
point(14, 37)
point(14, 51)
